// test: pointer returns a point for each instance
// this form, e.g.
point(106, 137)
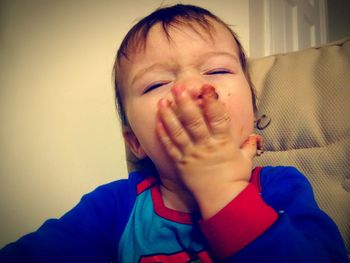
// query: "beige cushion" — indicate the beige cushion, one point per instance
point(307, 96)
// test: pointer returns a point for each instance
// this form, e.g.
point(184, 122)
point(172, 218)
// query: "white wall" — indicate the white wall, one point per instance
point(59, 133)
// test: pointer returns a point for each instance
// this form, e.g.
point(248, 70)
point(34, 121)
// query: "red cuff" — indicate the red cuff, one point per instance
point(240, 222)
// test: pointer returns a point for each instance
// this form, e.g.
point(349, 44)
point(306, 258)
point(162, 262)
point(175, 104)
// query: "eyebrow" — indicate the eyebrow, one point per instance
point(220, 53)
point(154, 66)
point(159, 65)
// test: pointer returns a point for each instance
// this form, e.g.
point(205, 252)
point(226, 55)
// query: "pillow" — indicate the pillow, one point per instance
point(306, 94)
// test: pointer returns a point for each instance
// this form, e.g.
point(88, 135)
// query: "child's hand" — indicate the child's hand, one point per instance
point(207, 153)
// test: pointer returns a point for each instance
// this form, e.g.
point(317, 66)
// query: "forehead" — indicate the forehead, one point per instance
point(193, 34)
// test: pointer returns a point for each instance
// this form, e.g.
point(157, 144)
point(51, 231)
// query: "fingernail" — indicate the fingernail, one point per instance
point(160, 126)
point(178, 90)
point(163, 103)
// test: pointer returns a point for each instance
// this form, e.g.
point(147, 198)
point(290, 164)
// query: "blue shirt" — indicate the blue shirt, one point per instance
point(275, 219)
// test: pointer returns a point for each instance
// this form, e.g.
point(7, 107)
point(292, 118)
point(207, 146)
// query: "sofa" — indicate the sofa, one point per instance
point(305, 97)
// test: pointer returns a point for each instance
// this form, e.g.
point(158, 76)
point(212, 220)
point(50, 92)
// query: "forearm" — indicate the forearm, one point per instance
point(300, 231)
point(287, 242)
point(238, 224)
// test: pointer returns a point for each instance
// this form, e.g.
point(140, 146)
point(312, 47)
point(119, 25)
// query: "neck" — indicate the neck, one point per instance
point(176, 196)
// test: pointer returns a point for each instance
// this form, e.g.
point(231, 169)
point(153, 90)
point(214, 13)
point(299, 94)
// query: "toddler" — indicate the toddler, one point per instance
point(188, 107)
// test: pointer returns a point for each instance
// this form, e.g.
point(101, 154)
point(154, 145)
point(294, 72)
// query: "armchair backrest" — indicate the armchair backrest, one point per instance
point(307, 96)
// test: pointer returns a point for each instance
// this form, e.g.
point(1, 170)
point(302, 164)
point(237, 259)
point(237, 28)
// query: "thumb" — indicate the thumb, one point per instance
point(252, 146)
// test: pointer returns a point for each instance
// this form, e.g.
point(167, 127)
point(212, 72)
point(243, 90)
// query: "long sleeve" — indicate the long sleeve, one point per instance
point(281, 224)
point(87, 233)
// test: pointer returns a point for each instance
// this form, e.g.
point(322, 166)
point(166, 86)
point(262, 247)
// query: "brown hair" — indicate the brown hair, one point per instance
point(171, 16)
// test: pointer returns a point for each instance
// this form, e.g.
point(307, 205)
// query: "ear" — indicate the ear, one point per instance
point(133, 143)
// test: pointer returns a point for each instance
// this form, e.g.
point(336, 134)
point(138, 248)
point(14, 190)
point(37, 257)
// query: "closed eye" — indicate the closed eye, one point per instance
point(219, 71)
point(154, 86)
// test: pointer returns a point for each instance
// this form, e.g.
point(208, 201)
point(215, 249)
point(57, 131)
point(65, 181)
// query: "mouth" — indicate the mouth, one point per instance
point(208, 91)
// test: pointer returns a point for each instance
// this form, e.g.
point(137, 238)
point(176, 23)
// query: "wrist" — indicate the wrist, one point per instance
point(214, 199)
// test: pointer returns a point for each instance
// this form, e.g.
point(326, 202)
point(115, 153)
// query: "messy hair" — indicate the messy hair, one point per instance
point(169, 17)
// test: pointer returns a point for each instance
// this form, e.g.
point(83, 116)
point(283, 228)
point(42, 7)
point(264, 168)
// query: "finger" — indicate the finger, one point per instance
point(252, 146)
point(260, 145)
point(167, 143)
point(173, 127)
point(190, 115)
point(218, 118)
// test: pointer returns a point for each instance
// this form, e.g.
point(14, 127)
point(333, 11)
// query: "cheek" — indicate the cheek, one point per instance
point(141, 107)
point(142, 117)
point(240, 109)
point(241, 112)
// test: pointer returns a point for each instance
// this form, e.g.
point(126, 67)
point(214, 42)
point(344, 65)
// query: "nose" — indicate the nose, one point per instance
point(193, 84)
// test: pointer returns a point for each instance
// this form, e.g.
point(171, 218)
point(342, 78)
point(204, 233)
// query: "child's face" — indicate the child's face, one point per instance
point(190, 59)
